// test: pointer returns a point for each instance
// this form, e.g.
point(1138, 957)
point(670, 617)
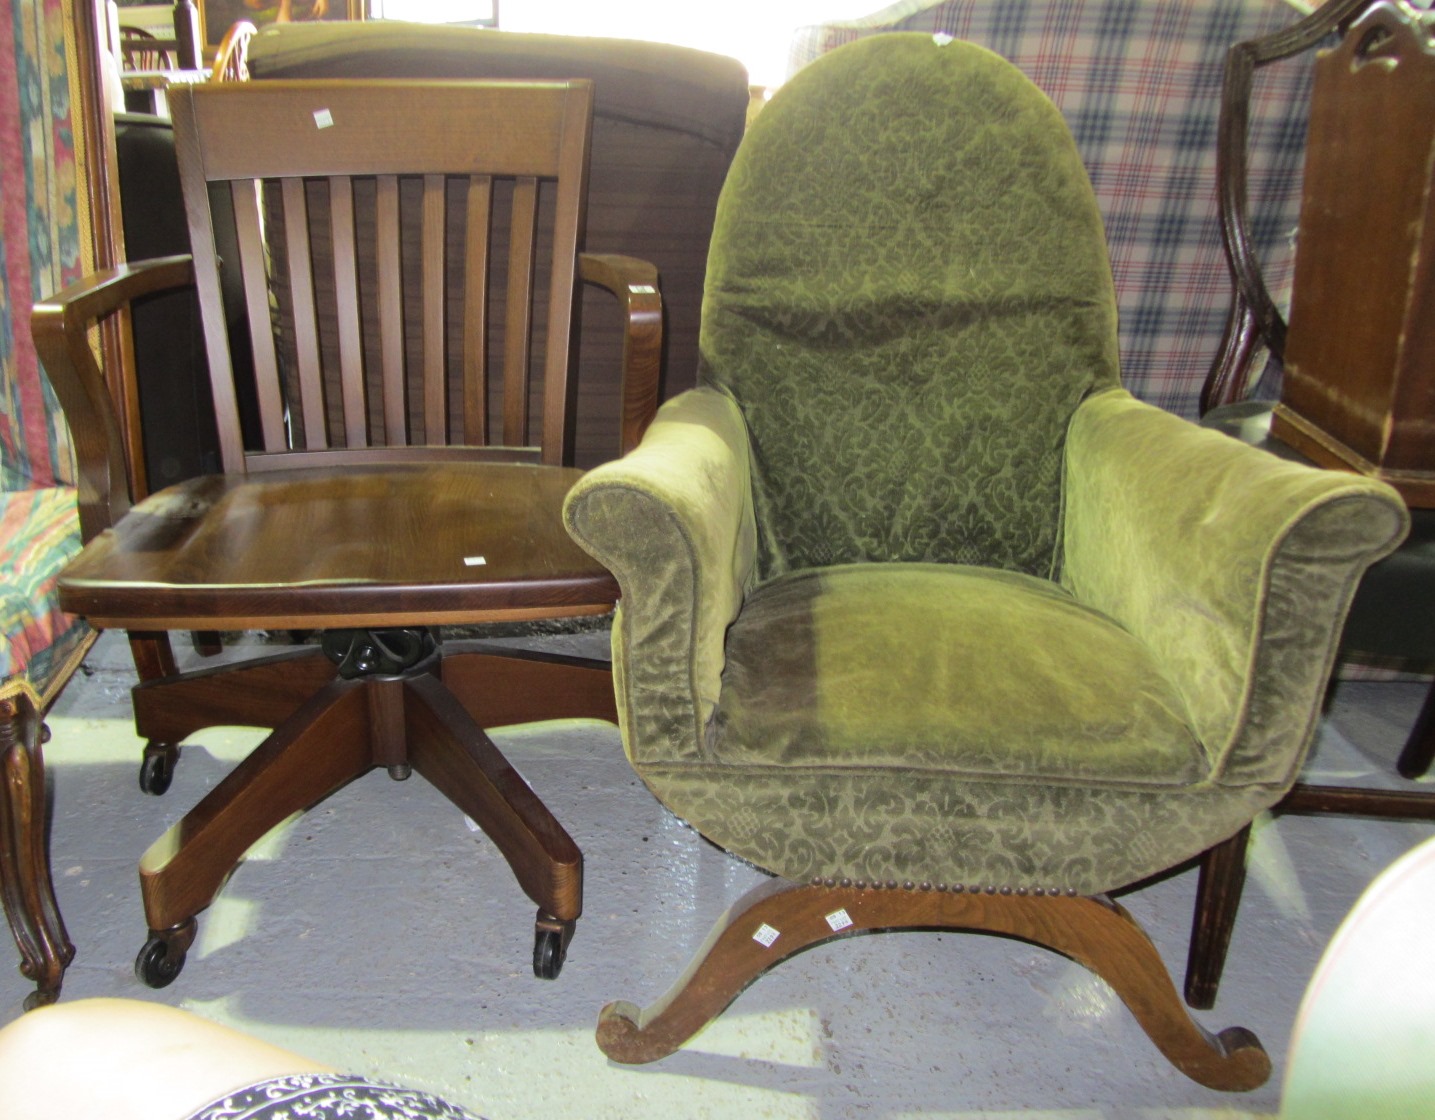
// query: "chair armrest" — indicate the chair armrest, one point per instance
point(635, 283)
point(60, 326)
point(1234, 567)
point(673, 522)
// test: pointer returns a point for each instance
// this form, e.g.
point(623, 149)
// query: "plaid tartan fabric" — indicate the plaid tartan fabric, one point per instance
point(39, 534)
point(1139, 82)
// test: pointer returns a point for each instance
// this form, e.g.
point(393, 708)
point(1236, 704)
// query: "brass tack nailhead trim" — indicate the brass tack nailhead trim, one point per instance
point(953, 888)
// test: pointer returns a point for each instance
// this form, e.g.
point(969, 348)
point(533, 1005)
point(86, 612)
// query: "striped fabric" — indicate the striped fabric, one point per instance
point(39, 534)
point(39, 231)
point(1139, 82)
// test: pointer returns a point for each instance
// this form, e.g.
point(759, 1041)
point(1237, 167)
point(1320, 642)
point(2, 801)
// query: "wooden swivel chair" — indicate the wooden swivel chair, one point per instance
point(436, 501)
point(1393, 613)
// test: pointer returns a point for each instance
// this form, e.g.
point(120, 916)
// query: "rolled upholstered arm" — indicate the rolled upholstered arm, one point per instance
point(673, 522)
point(1234, 567)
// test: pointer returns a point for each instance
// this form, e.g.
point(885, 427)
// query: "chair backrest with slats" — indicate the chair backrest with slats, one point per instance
point(141, 49)
point(358, 192)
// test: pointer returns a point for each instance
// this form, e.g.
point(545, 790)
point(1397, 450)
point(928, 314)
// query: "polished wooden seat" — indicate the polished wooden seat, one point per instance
point(429, 496)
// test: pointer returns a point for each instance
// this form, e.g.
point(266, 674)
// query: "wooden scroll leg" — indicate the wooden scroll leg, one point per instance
point(26, 888)
point(779, 919)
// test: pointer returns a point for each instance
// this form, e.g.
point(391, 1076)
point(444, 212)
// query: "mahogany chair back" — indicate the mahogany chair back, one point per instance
point(350, 159)
point(141, 49)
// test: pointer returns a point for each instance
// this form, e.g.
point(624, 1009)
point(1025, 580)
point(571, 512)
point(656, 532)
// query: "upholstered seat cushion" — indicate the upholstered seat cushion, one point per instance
point(950, 668)
point(39, 534)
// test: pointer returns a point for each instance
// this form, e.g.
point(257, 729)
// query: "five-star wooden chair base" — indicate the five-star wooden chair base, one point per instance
point(328, 731)
point(780, 918)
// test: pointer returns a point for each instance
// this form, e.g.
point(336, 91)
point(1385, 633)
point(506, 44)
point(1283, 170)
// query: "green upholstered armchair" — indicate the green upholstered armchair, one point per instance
point(921, 611)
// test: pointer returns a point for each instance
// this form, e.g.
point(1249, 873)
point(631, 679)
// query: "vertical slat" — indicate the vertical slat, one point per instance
point(249, 230)
point(391, 312)
point(306, 318)
point(475, 311)
point(518, 320)
point(567, 240)
point(346, 291)
point(434, 364)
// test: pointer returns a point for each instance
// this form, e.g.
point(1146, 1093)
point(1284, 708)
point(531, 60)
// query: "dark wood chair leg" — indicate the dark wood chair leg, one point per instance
point(207, 643)
point(26, 887)
point(1218, 896)
point(169, 706)
point(449, 749)
point(154, 660)
point(779, 919)
point(321, 747)
point(154, 656)
point(259, 693)
point(1419, 752)
point(501, 686)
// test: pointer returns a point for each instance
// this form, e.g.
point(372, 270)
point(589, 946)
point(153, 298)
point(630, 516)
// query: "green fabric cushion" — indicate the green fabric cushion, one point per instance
point(907, 306)
point(946, 667)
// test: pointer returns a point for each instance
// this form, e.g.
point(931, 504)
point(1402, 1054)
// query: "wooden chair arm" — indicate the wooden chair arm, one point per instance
point(635, 283)
point(60, 326)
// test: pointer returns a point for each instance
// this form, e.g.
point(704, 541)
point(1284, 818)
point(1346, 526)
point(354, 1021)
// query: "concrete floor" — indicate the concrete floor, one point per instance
point(379, 934)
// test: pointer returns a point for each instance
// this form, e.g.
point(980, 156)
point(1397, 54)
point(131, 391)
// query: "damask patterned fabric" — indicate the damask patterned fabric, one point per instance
point(1139, 83)
point(326, 1096)
point(908, 334)
point(912, 589)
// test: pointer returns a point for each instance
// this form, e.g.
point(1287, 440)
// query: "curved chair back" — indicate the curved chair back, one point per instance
point(879, 329)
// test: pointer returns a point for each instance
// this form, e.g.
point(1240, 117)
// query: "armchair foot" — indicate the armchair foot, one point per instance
point(779, 919)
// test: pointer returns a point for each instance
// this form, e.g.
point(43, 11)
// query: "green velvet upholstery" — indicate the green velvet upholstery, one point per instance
point(907, 334)
point(912, 589)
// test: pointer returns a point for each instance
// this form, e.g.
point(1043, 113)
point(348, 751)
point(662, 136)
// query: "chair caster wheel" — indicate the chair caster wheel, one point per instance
point(159, 963)
point(549, 952)
point(157, 769)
